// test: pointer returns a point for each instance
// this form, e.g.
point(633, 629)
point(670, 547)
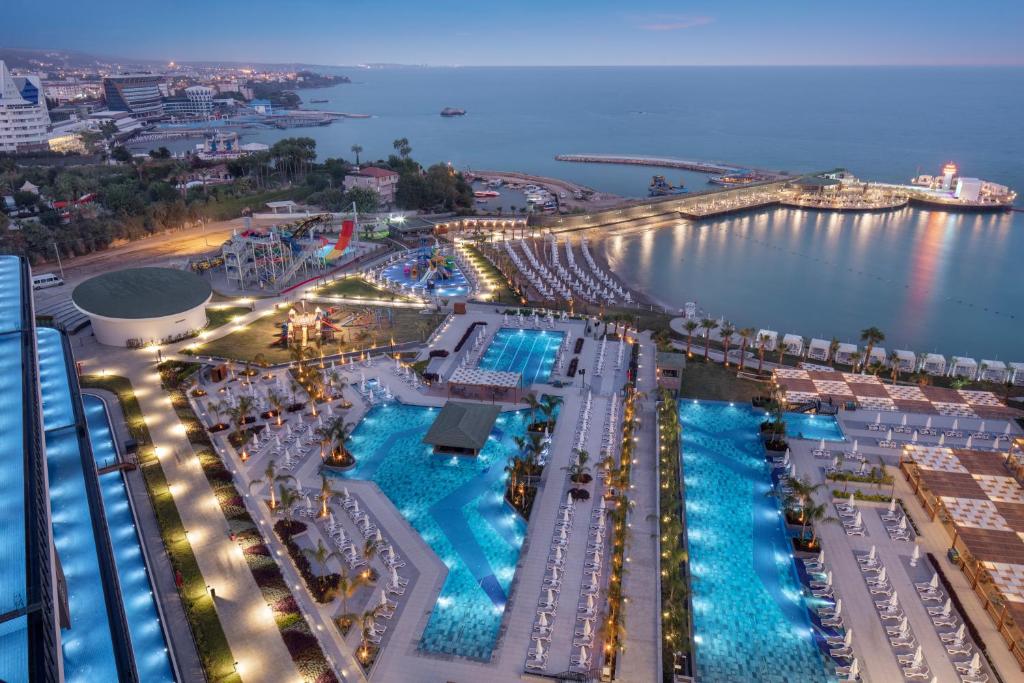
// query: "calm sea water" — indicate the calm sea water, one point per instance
point(931, 281)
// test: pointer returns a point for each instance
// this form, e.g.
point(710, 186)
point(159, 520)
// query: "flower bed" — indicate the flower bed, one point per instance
point(322, 588)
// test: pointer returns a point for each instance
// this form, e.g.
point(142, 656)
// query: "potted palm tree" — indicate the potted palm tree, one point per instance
point(336, 433)
point(579, 471)
point(321, 556)
point(271, 477)
point(348, 584)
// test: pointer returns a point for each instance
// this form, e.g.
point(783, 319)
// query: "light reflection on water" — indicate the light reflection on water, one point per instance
point(932, 281)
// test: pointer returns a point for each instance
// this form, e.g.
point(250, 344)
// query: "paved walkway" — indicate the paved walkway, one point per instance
point(254, 638)
point(640, 661)
point(178, 630)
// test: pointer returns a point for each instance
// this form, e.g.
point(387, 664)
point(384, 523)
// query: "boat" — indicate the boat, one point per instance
point(661, 187)
point(452, 111)
point(317, 101)
point(738, 178)
point(486, 193)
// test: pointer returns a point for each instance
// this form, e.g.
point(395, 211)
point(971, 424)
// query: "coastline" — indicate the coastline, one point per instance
point(597, 200)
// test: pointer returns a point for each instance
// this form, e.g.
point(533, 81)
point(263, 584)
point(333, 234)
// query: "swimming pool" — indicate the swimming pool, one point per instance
point(749, 616)
point(457, 506)
point(815, 427)
point(151, 658)
point(88, 644)
point(451, 282)
point(528, 352)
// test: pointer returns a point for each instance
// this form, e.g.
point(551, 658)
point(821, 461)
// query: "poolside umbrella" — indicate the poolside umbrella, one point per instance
point(355, 507)
point(956, 423)
point(892, 506)
point(913, 437)
point(558, 553)
point(288, 428)
point(904, 628)
point(903, 422)
point(594, 578)
point(915, 556)
point(970, 438)
point(872, 553)
point(928, 422)
point(839, 606)
point(852, 501)
point(975, 665)
point(568, 499)
point(854, 670)
point(565, 515)
point(554, 573)
point(888, 435)
point(391, 553)
point(540, 648)
point(277, 439)
point(903, 523)
point(821, 445)
point(942, 439)
point(821, 553)
point(995, 443)
point(863, 467)
point(1006, 429)
point(562, 535)
point(330, 516)
point(551, 596)
point(878, 418)
point(587, 630)
point(600, 503)
point(383, 598)
point(883, 576)
point(583, 654)
point(918, 658)
point(835, 462)
point(858, 520)
point(344, 491)
point(596, 557)
point(933, 583)
point(379, 538)
point(590, 602)
point(543, 619)
point(855, 444)
point(848, 640)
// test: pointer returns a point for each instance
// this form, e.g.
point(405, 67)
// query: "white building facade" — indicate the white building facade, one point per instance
point(24, 119)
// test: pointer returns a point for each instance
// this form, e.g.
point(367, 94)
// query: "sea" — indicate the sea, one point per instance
point(932, 281)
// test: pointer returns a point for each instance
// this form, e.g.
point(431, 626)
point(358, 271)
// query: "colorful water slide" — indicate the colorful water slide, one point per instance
point(347, 228)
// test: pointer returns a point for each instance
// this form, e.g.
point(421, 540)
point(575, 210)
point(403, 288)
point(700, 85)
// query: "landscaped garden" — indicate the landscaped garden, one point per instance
point(355, 287)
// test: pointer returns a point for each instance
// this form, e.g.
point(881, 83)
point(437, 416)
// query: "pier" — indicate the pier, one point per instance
point(713, 167)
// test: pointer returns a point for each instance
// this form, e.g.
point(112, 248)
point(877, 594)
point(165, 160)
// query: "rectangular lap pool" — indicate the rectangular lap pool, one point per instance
point(528, 352)
point(457, 506)
point(814, 427)
point(749, 617)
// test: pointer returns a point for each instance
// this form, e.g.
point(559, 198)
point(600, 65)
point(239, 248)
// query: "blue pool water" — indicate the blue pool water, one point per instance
point(815, 427)
point(87, 648)
point(151, 658)
point(529, 352)
point(401, 273)
point(457, 506)
point(750, 620)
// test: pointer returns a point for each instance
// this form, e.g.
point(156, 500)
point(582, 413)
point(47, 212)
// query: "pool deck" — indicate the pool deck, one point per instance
point(870, 641)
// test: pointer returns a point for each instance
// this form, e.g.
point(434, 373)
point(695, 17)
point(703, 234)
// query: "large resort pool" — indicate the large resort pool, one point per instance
point(457, 505)
point(529, 352)
point(749, 616)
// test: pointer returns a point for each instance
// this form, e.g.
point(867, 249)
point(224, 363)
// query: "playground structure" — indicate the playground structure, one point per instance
point(426, 270)
point(304, 326)
point(275, 257)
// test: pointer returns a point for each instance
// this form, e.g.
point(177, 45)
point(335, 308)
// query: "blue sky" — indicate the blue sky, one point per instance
point(530, 32)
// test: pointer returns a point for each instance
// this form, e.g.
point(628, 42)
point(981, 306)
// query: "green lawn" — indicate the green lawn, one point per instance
point(259, 337)
point(214, 650)
point(712, 382)
point(222, 316)
point(357, 287)
point(502, 293)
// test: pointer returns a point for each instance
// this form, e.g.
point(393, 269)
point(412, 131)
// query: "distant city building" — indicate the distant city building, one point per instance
point(381, 180)
point(196, 102)
point(23, 116)
point(72, 91)
point(262, 107)
point(139, 94)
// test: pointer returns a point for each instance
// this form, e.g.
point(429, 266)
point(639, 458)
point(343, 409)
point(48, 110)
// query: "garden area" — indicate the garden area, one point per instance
point(358, 288)
point(711, 381)
point(258, 342)
point(222, 315)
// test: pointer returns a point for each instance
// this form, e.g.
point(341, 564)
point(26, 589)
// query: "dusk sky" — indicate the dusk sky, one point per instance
point(530, 32)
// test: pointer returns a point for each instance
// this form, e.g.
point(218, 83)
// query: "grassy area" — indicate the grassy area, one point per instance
point(219, 316)
point(226, 208)
point(259, 338)
point(214, 650)
point(359, 288)
point(711, 381)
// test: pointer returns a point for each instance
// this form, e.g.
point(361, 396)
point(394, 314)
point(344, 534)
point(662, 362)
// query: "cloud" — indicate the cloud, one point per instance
point(675, 23)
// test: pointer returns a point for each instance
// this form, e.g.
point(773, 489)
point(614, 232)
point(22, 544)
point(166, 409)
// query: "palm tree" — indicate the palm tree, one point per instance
point(402, 146)
point(369, 552)
point(531, 400)
point(762, 339)
point(514, 469)
point(725, 334)
point(276, 402)
point(347, 586)
point(782, 352)
point(833, 346)
point(321, 556)
point(894, 366)
point(855, 360)
point(239, 416)
point(326, 494)
point(690, 326)
point(337, 432)
point(815, 514)
point(579, 467)
point(368, 623)
point(745, 334)
point(357, 150)
point(707, 324)
point(270, 478)
point(218, 409)
point(871, 336)
point(548, 404)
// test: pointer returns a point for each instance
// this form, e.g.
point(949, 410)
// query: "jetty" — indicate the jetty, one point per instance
point(713, 167)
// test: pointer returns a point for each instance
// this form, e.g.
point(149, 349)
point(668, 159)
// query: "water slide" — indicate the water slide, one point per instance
point(347, 228)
